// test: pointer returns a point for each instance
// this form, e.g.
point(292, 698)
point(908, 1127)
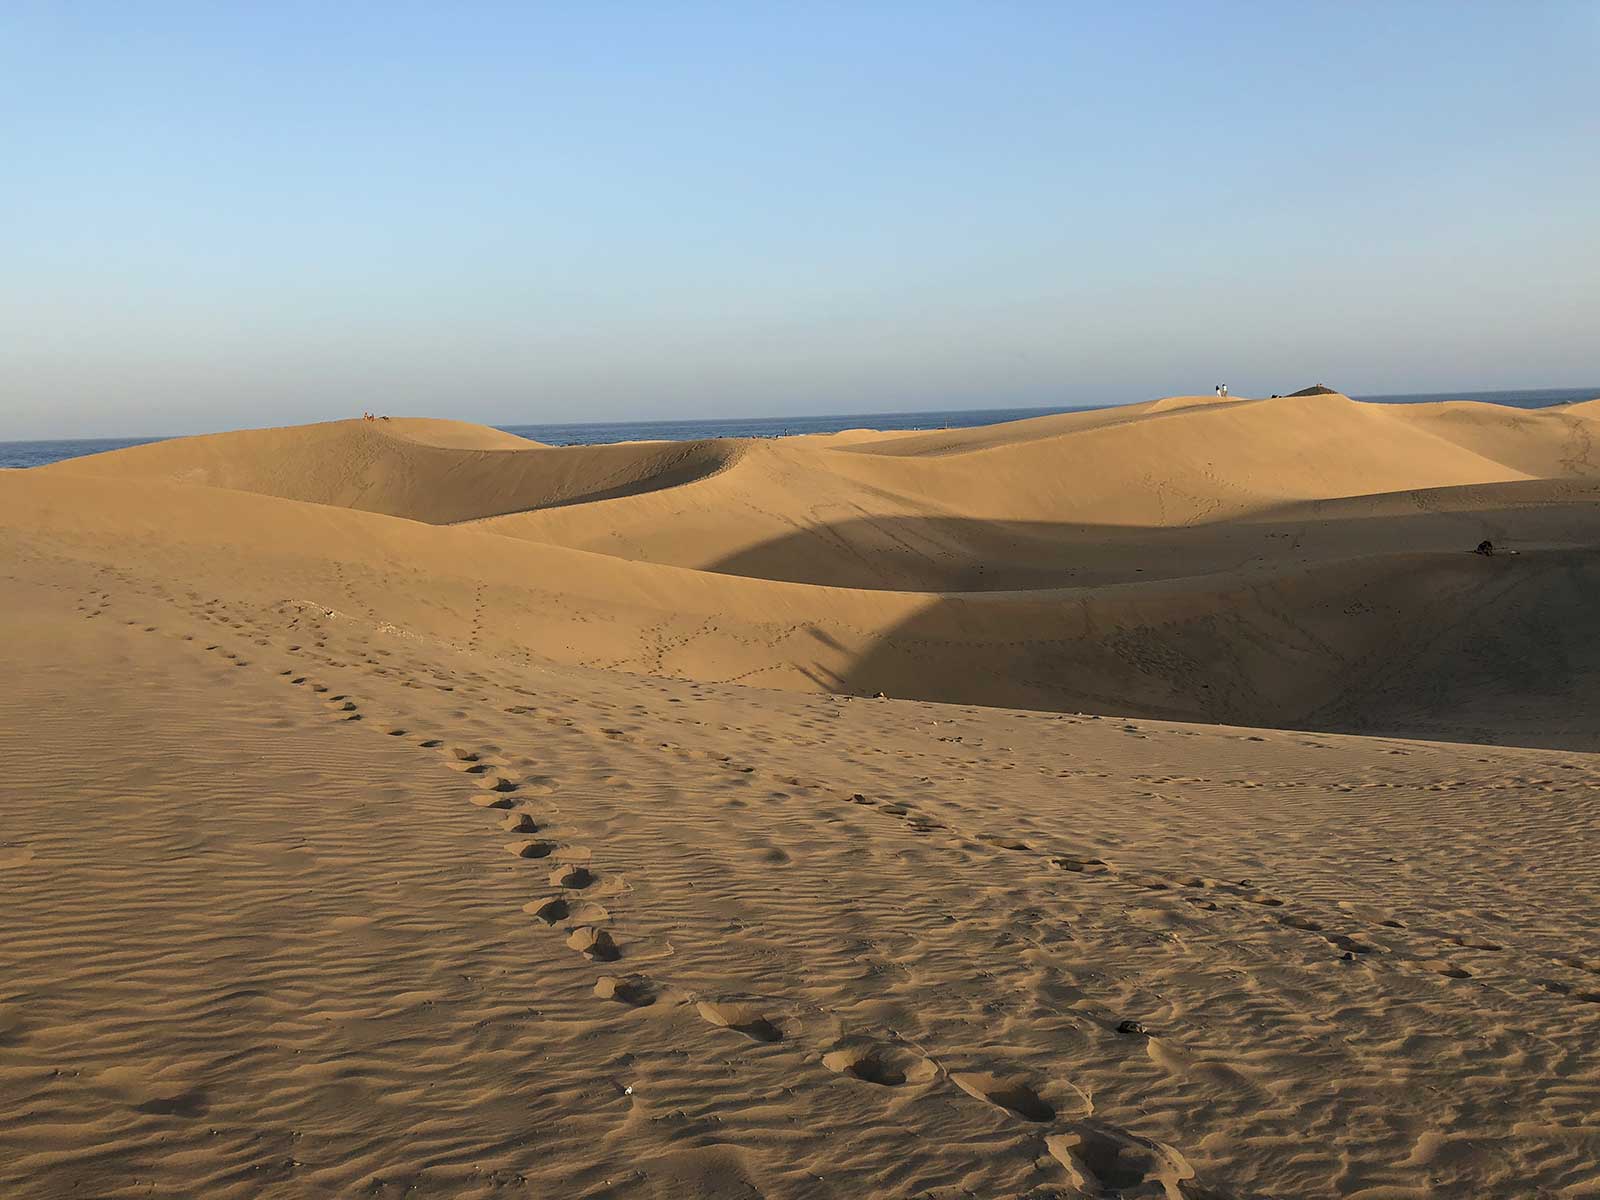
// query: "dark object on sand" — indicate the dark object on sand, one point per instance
point(1317, 390)
point(1485, 548)
point(1133, 1027)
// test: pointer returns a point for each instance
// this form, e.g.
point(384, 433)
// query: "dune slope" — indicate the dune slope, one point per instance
point(1343, 606)
point(299, 901)
point(434, 471)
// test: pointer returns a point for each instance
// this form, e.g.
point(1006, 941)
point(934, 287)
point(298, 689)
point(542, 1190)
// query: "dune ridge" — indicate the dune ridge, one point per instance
point(438, 472)
point(1242, 561)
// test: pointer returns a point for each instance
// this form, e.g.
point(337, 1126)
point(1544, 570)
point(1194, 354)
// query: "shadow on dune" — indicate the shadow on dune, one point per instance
point(957, 554)
point(1452, 647)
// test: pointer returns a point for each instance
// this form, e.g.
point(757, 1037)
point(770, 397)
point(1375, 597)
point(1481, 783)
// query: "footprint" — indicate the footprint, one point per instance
point(1474, 943)
point(595, 944)
point(188, 1104)
point(576, 878)
point(1153, 882)
point(885, 1064)
point(636, 991)
point(1002, 842)
point(1082, 866)
point(531, 849)
point(520, 822)
point(1351, 945)
point(1102, 1160)
point(561, 911)
point(746, 1016)
point(492, 800)
point(1025, 1097)
point(1448, 969)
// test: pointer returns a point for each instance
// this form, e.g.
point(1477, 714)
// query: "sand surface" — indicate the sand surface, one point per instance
point(401, 808)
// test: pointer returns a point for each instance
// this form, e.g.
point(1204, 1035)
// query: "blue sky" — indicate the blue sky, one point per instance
point(215, 215)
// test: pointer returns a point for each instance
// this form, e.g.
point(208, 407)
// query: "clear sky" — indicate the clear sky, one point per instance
point(221, 214)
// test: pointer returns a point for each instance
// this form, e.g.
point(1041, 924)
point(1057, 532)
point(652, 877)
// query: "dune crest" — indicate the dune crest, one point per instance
point(438, 472)
point(1245, 561)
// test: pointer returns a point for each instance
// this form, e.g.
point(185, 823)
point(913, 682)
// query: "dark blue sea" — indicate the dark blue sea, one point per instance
point(37, 454)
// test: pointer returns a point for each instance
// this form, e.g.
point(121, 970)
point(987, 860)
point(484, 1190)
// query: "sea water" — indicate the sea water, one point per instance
point(37, 454)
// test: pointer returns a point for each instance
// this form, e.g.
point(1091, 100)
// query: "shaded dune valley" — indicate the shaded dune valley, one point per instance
point(1163, 801)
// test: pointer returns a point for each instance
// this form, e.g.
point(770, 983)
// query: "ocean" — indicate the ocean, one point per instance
point(37, 454)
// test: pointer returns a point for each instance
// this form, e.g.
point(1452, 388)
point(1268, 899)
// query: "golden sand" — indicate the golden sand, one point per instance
point(402, 808)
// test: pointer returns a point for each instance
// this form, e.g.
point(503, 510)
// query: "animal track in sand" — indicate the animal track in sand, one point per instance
point(886, 1064)
point(746, 1016)
point(519, 822)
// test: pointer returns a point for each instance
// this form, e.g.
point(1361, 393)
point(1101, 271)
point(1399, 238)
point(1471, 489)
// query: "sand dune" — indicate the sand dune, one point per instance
point(1241, 561)
point(434, 471)
point(401, 807)
point(1052, 477)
